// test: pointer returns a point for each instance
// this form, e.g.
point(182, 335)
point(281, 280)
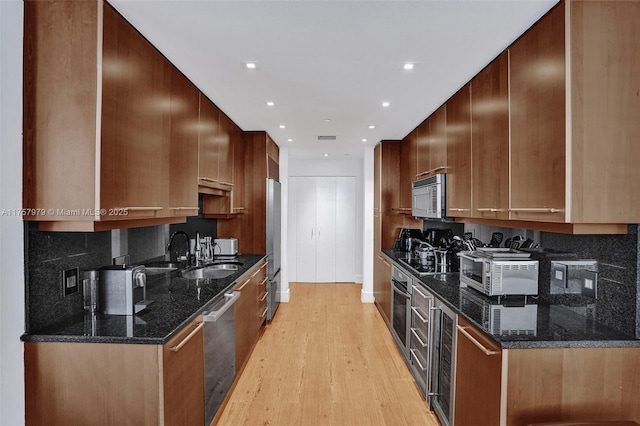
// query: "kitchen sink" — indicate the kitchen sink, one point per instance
point(220, 270)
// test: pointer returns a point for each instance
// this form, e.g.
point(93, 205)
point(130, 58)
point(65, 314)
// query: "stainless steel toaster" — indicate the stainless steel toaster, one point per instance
point(225, 246)
point(123, 289)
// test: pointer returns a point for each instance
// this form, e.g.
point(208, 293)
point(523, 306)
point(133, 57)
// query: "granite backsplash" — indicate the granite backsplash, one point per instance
point(47, 254)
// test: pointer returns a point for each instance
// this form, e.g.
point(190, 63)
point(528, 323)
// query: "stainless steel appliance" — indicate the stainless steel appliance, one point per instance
point(443, 355)
point(123, 289)
point(225, 246)
point(420, 340)
point(429, 198)
point(219, 352)
point(499, 272)
point(273, 247)
point(500, 318)
point(401, 283)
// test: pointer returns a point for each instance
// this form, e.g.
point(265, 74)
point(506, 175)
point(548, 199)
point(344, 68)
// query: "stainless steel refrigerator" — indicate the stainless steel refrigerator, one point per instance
point(273, 247)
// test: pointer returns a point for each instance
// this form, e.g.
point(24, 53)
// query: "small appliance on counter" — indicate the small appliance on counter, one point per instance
point(123, 289)
point(499, 272)
point(225, 246)
point(408, 239)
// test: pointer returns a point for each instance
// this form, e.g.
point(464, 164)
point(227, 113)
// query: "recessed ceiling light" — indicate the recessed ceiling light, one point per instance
point(289, 140)
point(270, 103)
point(364, 140)
point(407, 66)
point(250, 65)
point(326, 155)
point(385, 104)
point(282, 126)
point(372, 127)
point(327, 120)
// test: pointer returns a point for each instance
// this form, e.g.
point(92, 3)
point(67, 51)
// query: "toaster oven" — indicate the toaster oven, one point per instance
point(499, 276)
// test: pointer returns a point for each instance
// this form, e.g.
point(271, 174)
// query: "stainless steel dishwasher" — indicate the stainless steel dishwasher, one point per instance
point(219, 353)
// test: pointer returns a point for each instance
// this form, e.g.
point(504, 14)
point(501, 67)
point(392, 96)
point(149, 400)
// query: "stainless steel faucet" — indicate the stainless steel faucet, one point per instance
point(188, 254)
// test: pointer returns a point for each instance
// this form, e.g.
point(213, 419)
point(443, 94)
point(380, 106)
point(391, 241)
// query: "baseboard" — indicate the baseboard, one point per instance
point(285, 296)
point(367, 297)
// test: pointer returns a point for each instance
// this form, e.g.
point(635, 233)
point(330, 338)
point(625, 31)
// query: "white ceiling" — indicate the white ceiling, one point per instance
point(336, 60)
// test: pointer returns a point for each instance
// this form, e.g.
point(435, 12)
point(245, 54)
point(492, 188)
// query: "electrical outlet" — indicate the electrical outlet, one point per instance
point(70, 281)
point(590, 284)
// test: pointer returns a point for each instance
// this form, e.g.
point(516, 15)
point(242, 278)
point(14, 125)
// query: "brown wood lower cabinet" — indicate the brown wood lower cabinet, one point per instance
point(250, 312)
point(533, 385)
point(116, 384)
point(382, 286)
point(478, 375)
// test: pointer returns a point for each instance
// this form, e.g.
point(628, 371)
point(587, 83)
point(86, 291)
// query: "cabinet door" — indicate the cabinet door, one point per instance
point(243, 315)
point(225, 148)
point(183, 377)
point(458, 184)
point(490, 140)
point(478, 378)
point(136, 89)
point(438, 141)
point(306, 232)
point(326, 229)
point(537, 74)
point(408, 169)
point(382, 286)
point(209, 130)
point(183, 173)
point(423, 144)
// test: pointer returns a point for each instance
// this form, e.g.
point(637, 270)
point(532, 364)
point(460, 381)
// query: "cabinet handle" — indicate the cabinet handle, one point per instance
point(208, 179)
point(413, 354)
point(183, 208)
point(537, 210)
point(490, 209)
point(456, 209)
point(486, 351)
point(437, 169)
point(415, 333)
point(138, 208)
point(243, 284)
point(263, 282)
point(421, 293)
point(255, 273)
point(195, 331)
point(264, 296)
point(264, 313)
point(417, 312)
point(384, 261)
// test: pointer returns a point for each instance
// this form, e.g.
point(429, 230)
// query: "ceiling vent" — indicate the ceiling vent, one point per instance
point(326, 138)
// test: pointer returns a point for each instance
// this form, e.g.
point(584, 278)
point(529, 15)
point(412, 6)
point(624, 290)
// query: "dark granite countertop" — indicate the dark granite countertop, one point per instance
point(516, 323)
point(176, 302)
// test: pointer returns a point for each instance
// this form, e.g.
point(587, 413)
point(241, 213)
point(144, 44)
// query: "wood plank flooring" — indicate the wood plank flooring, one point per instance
point(326, 359)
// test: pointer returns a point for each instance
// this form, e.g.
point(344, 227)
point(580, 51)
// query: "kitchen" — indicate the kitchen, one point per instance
point(548, 240)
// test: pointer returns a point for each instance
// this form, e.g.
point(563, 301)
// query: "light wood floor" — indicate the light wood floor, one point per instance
point(326, 359)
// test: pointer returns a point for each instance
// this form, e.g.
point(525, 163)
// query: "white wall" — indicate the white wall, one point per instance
point(367, 227)
point(11, 227)
point(284, 217)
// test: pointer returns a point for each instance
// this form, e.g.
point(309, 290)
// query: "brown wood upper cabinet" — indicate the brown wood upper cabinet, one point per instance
point(408, 170)
point(259, 162)
point(458, 184)
point(218, 135)
point(490, 140)
point(574, 109)
point(107, 142)
point(432, 144)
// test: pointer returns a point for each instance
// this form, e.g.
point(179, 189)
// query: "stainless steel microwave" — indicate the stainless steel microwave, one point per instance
point(429, 197)
point(498, 277)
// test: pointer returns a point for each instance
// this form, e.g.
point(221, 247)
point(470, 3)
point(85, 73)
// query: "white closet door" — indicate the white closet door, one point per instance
point(326, 226)
point(345, 245)
point(306, 232)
